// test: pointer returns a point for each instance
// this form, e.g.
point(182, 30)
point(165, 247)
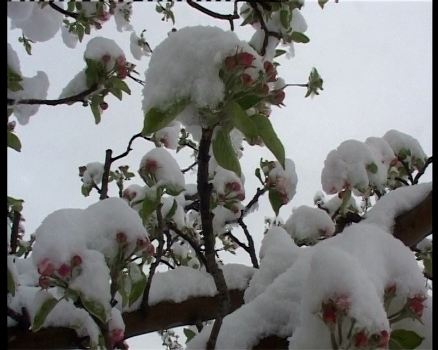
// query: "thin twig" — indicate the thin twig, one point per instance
point(141, 82)
point(189, 167)
point(105, 176)
point(268, 33)
point(154, 265)
point(80, 97)
point(422, 170)
point(64, 12)
point(129, 149)
point(165, 262)
point(251, 247)
point(192, 243)
point(235, 239)
point(298, 85)
point(427, 275)
point(403, 181)
point(213, 14)
point(14, 231)
point(204, 190)
point(408, 171)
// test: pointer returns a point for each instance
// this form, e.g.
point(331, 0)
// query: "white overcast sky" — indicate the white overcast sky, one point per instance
point(375, 59)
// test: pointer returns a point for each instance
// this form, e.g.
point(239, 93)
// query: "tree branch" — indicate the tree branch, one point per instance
point(204, 190)
point(105, 176)
point(230, 17)
point(145, 308)
point(192, 243)
point(64, 12)
point(189, 167)
point(251, 248)
point(80, 97)
point(421, 172)
point(268, 33)
point(408, 171)
point(14, 231)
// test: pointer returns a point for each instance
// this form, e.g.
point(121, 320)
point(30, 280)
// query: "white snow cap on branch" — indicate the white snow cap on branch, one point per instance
point(339, 267)
point(138, 48)
point(37, 23)
point(33, 88)
point(164, 168)
point(308, 224)
point(285, 179)
point(99, 47)
point(196, 75)
point(93, 174)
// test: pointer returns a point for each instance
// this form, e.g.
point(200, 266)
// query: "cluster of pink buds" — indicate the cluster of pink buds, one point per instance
point(120, 65)
point(363, 340)
point(333, 309)
point(128, 194)
point(47, 270)
point(415, 305)
point(117, 336)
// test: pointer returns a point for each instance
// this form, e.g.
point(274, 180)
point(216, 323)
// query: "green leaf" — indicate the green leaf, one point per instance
point(15, 204)
point(95, 307)
point(258, 175)
point(172, 210)
point(119, 84)
point(322, 3)
point(11, 283)
point(71, 6)
point(137, 289)
point(404, 339)
point(269, 137)
point(95, 102)
point(159, 9)
point(125, 289)
point(189, 334)
point(91, 72)
point(427, 262)
point(224, 152)
point(43, 312)
point(80, 31)
point(156, 119)
point(14, 141)
point(279, 52)
point(116, 92)
point(275, 200)
point(345, 202)
point(372, 168)
point(248, 101)
point(248, 19)
point(284, 18)
point(299, 38)
point(242, 122)
point(149, 206)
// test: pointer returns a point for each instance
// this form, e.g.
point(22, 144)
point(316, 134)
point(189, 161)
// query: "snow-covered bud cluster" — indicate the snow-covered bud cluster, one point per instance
point(91, 173)
point(228, 189)
point(283, 181)
point(242, 74)
point(307, 225)
point(333, 309)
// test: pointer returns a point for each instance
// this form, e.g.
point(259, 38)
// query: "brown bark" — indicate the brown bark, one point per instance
point(410, 227)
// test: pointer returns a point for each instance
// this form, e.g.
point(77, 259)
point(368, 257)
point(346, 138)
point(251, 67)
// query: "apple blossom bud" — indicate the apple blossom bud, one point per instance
point(104, 106)
point(64, 270)
point(246, 79)
point(416, 306)
point(265, 89)
point(361, 340)
point(151, 165)
point(235, 209)
point(106, 58)
point(117, 335)
point(384, 339)
point(98, 25)
point(121, 61)
point(278, 98)
point(329, 317)
point(245, 59)
point(150, 249)
point(11, 125)
point(390, 290)
point(271, 72)
point(122, 72)
point(121, 237)
point(104, 16)
point(230, 62)
point(76, 260)
point(241, 196)
point(45, 268)
point(44, 282)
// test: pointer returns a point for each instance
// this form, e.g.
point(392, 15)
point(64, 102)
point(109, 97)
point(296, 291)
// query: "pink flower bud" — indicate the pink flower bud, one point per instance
point(278, 98)
point(44, 282)
point(104, 106)
point(235, 209)
point(45, 268)
point(141, 243)
point(271, 72)
point(241, 196)
point(150, 249)
point(98, 25)
point(221, 197)
point(122, 72)
point(76, 260)
point(416, 306)
point(342, 305)
point(245, 59)
point(265, 89)
point(121, 237)
point(106, 58)
point(329, 317)
point(117, 335)
point(233, 186)
point(390, 290)
point(121, 61)
point(151, 165)
point(246, 79)
point(360, 340)
point(230, 62)
point(384, 340)
point(64, 270)
point(104, 16)
point(394, 162)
